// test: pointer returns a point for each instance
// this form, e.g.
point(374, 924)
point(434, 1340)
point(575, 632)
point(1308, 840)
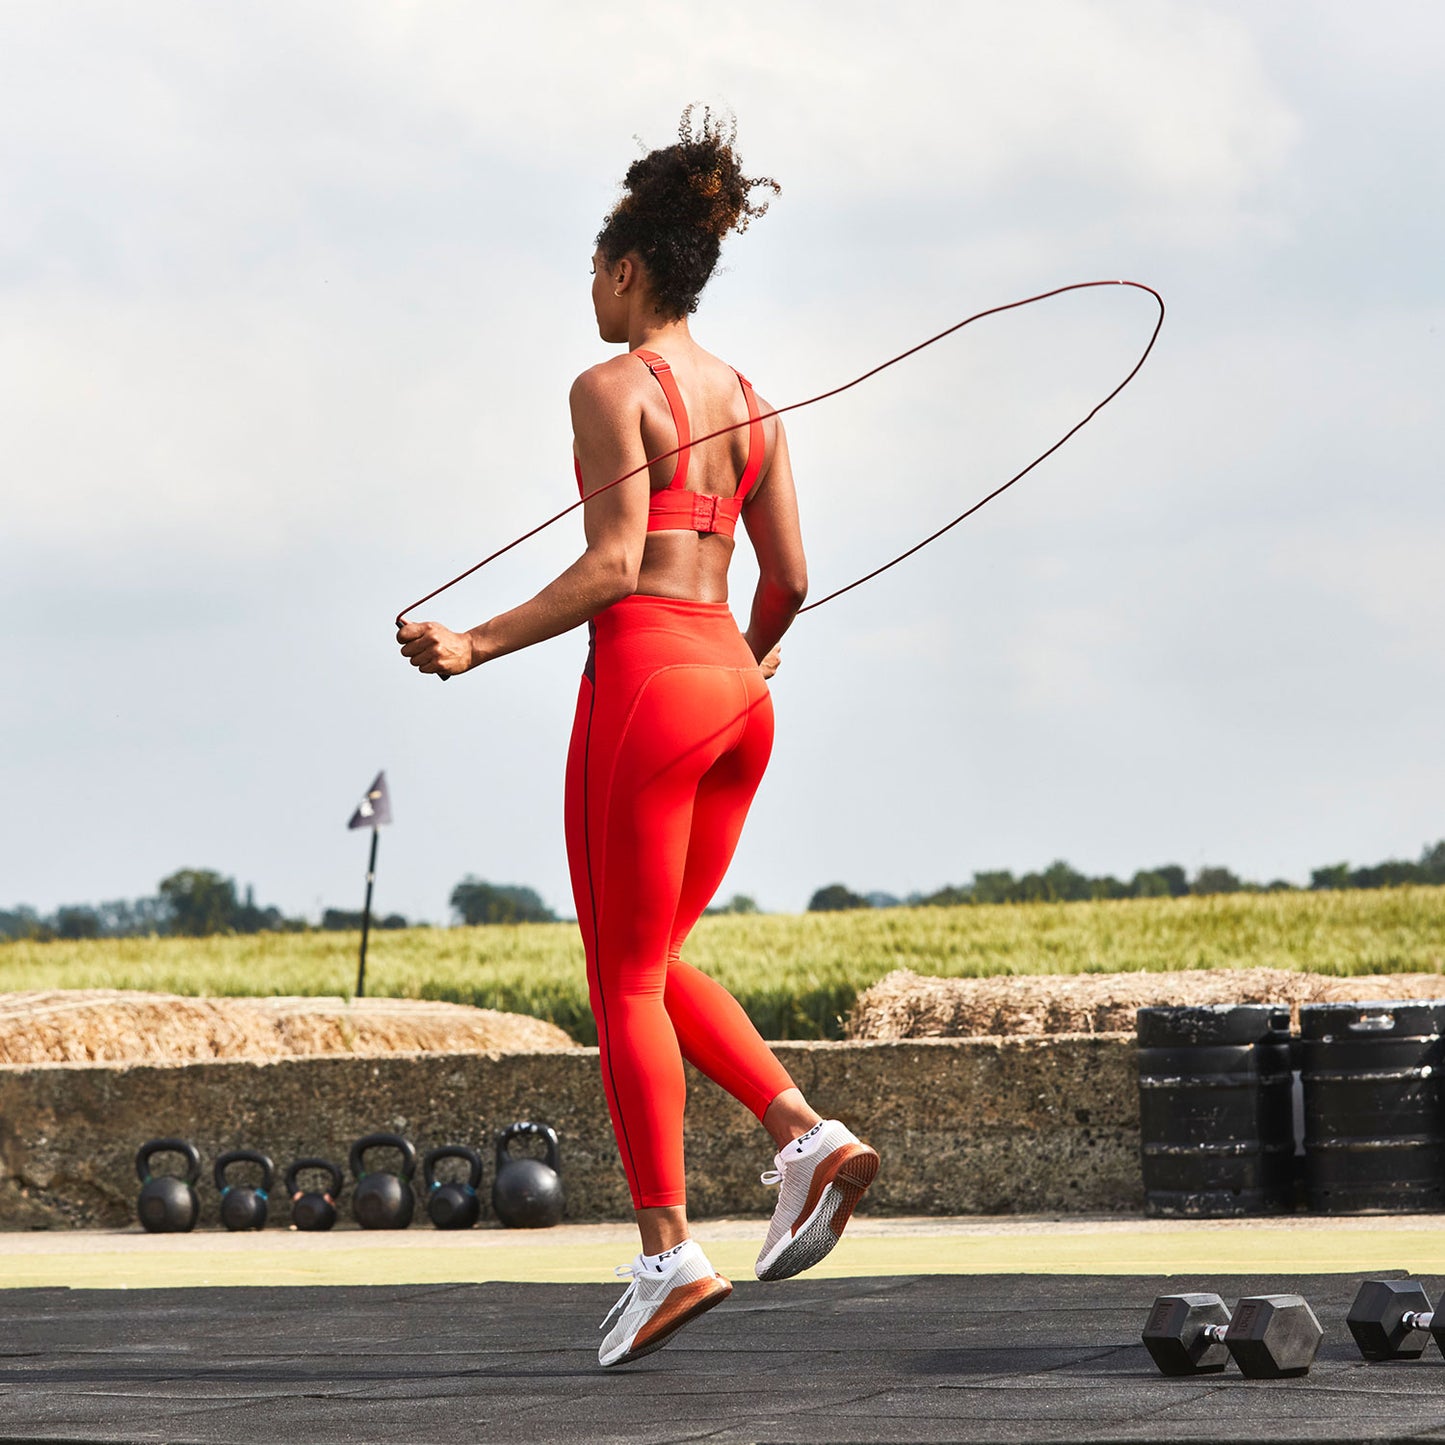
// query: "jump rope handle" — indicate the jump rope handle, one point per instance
point(401, 622)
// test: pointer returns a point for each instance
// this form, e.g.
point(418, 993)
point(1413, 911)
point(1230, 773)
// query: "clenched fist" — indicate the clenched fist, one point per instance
point(430, 647)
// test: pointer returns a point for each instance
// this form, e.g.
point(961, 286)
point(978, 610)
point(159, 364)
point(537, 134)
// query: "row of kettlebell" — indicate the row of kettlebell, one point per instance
point(526, 1192)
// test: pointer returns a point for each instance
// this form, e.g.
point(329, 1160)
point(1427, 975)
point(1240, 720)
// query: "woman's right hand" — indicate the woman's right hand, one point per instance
point(769, 664)
point(430, 647)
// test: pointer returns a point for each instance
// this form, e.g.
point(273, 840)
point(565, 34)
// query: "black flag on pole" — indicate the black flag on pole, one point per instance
point(374, 809)
point(372, 812)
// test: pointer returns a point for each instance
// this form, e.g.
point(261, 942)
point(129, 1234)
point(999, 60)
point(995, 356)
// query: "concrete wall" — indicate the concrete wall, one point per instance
point(964, 1125)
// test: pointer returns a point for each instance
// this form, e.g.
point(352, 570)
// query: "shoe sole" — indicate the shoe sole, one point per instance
point(838, 1183)
point(681, 1307)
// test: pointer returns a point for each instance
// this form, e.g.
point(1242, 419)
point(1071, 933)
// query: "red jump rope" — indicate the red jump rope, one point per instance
point(823, 396)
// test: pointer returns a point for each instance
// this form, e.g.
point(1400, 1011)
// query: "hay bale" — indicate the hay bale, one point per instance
point(905, 1005)
point(118, 1026)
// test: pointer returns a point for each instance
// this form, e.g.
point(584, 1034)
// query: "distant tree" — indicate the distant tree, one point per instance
point(1108, 887)
point(1150, 883)
point(835, 898)
point(131, 918)
point(340, 920)
point(738, 903)
point(1175, 877)
point(476, 902)
point(949, 896)
point(1432, 863)
point(1393, 874)
point(1058, 883)
point(1337, 875)
point(77, 923)
point(879, 899)
point(250, 918)
point(1031, 888)
point(21, 922)
point(997, 887)
point(1215, 880)
point(1065, 884)
point(201, 901)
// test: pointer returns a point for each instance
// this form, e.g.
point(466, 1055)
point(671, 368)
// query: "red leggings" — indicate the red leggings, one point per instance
point(673, 730)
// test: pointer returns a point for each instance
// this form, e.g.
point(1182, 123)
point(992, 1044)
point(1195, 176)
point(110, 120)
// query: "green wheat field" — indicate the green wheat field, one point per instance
point(797, 975)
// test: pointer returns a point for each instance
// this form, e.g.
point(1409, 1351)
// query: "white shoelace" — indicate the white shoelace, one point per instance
point(775, 1174)
point(624, 1271)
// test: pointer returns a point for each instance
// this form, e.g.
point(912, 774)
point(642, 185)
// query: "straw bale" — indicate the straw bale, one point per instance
point(117, 1026)
point(904, 1005)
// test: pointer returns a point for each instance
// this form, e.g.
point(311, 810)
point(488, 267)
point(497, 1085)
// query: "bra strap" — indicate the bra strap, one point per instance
point(663, 372)
point(756, 442)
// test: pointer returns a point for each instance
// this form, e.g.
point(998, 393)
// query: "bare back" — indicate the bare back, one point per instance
point(682, 563)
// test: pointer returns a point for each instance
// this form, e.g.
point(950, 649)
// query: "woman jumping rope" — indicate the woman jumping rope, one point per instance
point(674, 724)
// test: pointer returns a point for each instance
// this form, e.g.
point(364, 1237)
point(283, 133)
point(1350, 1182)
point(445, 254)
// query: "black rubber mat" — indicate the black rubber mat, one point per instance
point(924, 1358)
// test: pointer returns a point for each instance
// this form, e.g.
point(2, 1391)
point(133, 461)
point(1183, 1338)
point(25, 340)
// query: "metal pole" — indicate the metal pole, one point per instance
point(366, 917)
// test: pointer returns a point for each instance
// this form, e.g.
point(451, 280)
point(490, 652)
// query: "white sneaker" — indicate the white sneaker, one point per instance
point(823, 1175)
point(659, 1302)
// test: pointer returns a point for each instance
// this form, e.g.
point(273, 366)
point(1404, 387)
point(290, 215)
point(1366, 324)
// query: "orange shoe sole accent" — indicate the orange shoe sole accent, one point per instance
point(682, 1306)
point(853, 1167)
point(853, 1178)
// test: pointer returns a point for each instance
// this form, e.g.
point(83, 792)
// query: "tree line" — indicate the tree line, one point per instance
point(191, 903)
point(199, 902)
point(1059, 883)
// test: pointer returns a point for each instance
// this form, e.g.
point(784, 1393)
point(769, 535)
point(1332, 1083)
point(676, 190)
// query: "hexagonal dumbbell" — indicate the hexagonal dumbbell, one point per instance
point(1271, 1336)
point(1391, 1319)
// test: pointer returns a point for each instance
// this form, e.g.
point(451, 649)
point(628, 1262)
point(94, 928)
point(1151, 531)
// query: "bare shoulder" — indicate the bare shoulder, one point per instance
point(607, 385)
point(772, 422)
point(764, 405)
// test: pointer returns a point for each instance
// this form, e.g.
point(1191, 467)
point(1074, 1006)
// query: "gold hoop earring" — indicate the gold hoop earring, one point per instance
point(617, 293)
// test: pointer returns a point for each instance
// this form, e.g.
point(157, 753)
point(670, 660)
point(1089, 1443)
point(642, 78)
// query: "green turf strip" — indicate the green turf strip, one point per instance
point(135, 1261)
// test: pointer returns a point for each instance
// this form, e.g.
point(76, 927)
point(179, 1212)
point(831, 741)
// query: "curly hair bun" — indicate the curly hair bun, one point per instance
point(679, 203)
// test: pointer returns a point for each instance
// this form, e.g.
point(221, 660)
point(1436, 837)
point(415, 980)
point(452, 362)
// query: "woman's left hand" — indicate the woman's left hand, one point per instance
point(430, 647)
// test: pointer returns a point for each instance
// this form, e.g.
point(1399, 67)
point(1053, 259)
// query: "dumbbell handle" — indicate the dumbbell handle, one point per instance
point(1417, 1319)
point(1215, 1332)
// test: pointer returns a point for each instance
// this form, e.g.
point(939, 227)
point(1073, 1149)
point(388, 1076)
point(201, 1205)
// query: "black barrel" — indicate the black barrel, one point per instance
point(1372, 1106)
point(1216, 1124)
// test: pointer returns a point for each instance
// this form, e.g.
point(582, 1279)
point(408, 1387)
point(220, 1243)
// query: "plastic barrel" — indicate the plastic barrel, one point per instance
point(1216, 1126)
point(1372, 1106)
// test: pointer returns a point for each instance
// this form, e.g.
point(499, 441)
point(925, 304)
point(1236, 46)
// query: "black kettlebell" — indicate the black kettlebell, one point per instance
point(527, 1193)
point(243, 1206)
point(454, 1204)
point(168, 1205)
point(383, 1201)
point(312, 1210)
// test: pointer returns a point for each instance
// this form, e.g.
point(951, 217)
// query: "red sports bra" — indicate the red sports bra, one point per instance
point(675, 509)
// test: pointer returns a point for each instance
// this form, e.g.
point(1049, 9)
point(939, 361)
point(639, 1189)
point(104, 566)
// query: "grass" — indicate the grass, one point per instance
point(797, 975)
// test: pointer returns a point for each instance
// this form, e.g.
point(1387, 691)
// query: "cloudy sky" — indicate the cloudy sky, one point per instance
point(291, 297)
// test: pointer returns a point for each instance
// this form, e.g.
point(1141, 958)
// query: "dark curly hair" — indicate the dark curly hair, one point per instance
point(680, 202)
